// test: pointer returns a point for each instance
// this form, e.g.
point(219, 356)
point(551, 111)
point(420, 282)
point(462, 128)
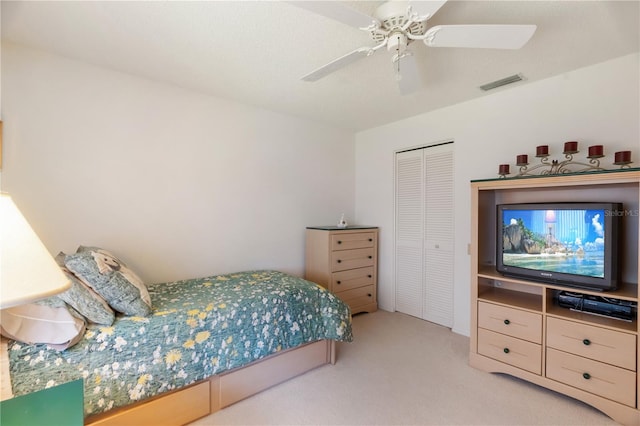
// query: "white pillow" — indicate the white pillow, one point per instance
point(33, 323)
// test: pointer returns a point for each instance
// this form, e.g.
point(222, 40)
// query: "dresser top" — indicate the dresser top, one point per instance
point(335, 228)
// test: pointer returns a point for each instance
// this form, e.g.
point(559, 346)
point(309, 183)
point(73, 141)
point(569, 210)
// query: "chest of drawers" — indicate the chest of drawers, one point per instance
point(345, 261)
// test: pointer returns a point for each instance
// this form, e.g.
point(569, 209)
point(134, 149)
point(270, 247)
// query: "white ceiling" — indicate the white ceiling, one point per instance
point(255, 52)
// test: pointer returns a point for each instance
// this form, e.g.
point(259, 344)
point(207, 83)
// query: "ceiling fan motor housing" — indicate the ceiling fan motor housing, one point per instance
point(393, 16)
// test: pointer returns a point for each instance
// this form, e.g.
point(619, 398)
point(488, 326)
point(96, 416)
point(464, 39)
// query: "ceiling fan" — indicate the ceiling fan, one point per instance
point(397, 24)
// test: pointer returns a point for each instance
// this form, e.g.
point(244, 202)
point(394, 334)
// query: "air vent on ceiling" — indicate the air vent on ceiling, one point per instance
point(502, 82)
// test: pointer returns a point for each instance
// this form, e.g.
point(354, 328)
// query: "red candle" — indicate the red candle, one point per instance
point(504, 169)
point(542, 150)
point(596, 151)
point(623, 157)
point(522, 160)
point(570, 147)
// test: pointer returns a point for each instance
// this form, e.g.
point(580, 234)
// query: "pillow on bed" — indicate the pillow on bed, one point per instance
point(123, 290)
point(37, 323)
point(83, 299)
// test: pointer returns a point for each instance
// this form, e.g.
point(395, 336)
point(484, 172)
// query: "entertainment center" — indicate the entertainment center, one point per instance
point(578, 341)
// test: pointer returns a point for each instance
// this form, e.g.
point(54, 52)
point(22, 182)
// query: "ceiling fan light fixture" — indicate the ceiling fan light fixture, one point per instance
point(502, 82)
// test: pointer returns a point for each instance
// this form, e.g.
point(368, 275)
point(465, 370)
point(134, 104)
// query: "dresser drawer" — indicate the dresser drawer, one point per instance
point(351, 259)
point(513, 322)
point(345, 241)
point(352, 278)
point(612, 347)
point(519, 353)
point(358, 296)
point(595, 377)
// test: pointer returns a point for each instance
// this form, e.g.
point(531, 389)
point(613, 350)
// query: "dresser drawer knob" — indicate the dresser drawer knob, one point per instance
point(370, 257)
point(369, 276)
point(369, 294)
point(339, 261)
point(338, 282)
point(507, 322)
point(586, 376)
point(370, 239)
point(339, 242)
point(587, 342)
point(506, 350)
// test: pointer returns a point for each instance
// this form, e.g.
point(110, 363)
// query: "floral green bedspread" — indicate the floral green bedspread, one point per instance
point(198, 328)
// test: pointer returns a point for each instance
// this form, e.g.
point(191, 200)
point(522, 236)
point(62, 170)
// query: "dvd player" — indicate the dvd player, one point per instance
point(598, 305)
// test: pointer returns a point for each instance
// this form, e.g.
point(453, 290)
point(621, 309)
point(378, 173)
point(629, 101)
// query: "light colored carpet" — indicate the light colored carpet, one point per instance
point(402, 370)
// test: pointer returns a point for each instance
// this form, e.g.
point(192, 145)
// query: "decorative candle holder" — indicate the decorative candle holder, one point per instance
point(570, 147)
point(622, 159)
point(596, 151)
point(503, 170)
point(542, 151)
point(568, 165)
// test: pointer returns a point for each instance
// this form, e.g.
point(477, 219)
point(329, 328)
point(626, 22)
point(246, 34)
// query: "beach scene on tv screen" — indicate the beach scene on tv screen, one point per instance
point(566, 241)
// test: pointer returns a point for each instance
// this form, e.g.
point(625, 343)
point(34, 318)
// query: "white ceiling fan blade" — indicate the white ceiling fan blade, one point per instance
point(335, 65)
point(479, 36)
point(338, 11)
point(409, 80)
point(426, 8)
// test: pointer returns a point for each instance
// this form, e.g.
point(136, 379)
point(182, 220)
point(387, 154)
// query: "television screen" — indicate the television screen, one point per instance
point(567, 243)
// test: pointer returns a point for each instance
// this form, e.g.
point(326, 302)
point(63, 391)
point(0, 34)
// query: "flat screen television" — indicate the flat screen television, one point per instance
point(569, 244)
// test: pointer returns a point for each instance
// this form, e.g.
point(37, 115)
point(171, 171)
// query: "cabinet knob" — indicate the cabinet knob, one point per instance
point(507, 322)
point(369, 276)
point(338, 282)
point(370, 239)
point(369, 294)
point(339, 242)
point(586, 376)
point(506, 350)
point(370, 257)
point(339, 261)
point(587, 342)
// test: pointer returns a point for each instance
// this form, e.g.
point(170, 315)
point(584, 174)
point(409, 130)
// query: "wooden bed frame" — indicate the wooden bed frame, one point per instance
point(208, 396)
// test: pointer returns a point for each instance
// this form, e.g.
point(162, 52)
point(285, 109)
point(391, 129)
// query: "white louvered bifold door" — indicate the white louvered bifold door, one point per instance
point(424, 233)
point(439, 239)
point(409, 232)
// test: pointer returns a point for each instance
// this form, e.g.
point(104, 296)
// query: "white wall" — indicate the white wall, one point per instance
point(594, 105)
point(177, 183)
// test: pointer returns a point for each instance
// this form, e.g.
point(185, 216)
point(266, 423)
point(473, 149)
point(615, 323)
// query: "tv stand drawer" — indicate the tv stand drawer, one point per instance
point(519, 353)
point(595, 377)
point(613, 347)
point(512, 322)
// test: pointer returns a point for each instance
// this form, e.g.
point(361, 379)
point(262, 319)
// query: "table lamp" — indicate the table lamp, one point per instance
point(28, 272)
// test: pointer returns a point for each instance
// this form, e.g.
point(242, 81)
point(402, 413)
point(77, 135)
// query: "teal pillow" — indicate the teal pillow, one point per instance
point(83, 299)
point(108, 276)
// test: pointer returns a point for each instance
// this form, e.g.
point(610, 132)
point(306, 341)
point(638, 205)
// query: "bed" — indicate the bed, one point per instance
point(207, 343)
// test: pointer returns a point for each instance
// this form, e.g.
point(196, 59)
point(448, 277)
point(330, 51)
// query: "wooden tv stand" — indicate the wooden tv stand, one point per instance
point(517, 326)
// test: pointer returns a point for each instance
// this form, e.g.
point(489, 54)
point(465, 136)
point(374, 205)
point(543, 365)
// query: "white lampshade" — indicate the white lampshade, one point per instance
point(27, 270)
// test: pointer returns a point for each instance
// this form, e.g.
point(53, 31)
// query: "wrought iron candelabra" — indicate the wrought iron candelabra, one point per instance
point(568, 165)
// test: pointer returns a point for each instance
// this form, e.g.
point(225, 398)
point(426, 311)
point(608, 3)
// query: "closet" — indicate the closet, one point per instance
point(424, 233)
